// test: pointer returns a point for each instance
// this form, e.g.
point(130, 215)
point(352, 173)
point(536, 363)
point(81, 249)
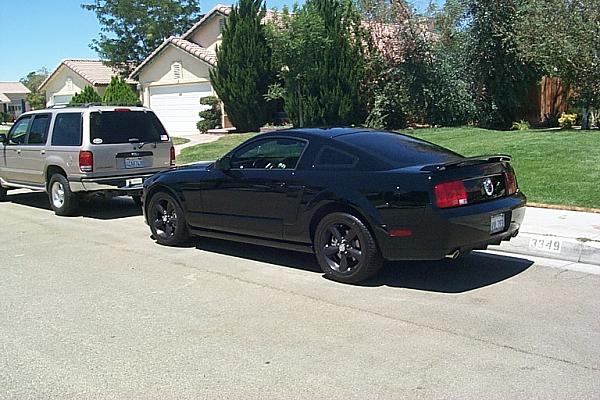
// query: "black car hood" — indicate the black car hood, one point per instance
point(201, 166)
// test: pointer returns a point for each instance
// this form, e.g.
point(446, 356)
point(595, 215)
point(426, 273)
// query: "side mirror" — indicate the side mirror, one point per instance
point(3, 138)
point(223, 163)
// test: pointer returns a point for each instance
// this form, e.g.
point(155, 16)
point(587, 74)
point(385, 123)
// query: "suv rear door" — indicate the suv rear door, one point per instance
point(128, 142)
point(33, 153)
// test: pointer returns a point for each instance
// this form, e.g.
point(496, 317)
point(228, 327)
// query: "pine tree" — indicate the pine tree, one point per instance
point(119, 93)
point(244, 68)
point(88, 95)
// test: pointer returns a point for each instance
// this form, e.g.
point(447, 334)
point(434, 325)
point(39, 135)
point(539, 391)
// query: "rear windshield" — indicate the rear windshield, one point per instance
point(399, 150)
point(110, 127)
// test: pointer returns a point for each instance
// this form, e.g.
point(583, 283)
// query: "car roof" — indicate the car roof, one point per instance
point(59, 109)
point(317, 132)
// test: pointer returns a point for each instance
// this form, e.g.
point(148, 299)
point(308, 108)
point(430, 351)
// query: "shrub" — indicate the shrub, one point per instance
point(551, 119)
point(521, 125)
point(88, 95)
point(567, 120)
point(211, 117)
point(119, 93)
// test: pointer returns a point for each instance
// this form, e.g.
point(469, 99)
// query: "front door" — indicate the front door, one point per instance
point(258, 195)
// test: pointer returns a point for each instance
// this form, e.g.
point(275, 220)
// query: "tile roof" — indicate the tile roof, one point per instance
point(219, 8)
point(13, 88)
point(93, 71)
point(4, 99)
point(194, 49)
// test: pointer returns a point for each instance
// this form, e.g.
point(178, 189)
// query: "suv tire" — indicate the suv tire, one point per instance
point(345, 248)
point(62, 200)
point(167, 220)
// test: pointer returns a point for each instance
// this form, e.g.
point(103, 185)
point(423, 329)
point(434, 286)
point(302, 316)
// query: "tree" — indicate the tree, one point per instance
point(563, 36)
point(244, 69)
point(210, 117)
point(33, 80)
point(500, 76)
point(319, 50)
point(119, 93)
point(87, 96)
point(132, 29)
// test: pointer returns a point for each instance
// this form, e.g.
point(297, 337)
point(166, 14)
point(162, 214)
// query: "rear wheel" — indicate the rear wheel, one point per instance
point(167, 221)
point(62, 200)
point(137, 200)
point(345, 248)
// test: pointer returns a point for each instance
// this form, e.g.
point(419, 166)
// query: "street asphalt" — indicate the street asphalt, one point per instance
point(91, 307)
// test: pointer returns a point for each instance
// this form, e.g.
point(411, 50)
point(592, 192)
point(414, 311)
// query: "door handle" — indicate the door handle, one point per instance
point(42, 151)
point(18, 151)
point(280, 184)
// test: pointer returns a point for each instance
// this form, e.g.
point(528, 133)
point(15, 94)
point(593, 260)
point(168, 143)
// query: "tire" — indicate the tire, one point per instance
point(167, 220)
point(62, 200)
point(137, 200)
point(2, 194)
point(346, 249)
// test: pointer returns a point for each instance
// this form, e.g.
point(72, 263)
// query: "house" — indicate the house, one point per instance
point(72, 76)
point(13, 98)
point(176, 75)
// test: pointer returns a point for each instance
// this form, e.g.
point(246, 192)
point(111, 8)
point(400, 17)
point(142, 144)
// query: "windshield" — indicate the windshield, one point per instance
point(110, 127)
point(399, 150)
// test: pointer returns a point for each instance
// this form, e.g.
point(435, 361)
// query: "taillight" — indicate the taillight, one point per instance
point(511, 183)
point(86, 161)
point(172, 156)
point(450, 194)
point(122, 110)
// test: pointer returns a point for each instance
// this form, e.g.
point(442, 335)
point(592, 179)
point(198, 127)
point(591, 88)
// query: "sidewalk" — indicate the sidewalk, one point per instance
point(564, 235)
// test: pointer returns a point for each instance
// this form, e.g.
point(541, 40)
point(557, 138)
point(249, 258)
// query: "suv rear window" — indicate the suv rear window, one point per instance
point(110, 127)
point(67, 130)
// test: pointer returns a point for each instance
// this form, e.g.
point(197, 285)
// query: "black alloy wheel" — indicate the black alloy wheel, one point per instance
point(167, 221)
point(345, 248)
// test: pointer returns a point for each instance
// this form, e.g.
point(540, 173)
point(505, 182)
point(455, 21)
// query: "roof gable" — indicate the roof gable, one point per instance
point(96, 72)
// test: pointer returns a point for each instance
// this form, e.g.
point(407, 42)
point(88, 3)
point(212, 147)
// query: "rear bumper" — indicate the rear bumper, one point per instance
point(443, 232)
point(127, 185)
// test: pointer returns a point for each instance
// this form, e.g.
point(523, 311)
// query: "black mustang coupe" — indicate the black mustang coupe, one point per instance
point(354, 197)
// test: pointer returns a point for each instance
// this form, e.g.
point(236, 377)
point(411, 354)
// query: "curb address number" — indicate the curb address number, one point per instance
point(550, 245)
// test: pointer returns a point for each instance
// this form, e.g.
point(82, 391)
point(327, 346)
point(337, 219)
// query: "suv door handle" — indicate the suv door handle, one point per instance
point(42, 151)
point(18, 151)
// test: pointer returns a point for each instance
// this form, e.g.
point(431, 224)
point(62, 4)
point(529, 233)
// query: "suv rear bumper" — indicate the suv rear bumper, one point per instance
point(127, 184)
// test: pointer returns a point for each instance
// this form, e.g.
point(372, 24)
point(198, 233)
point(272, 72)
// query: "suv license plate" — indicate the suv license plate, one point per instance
point(134, 162)
point(497, 223)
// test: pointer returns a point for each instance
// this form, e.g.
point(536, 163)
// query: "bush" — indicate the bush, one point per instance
point(521, 125)
point(88, 95)
point(119, 93)
point(211, 117)
point(567, 120)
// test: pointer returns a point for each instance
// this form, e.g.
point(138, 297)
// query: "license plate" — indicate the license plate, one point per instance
point(136, 162)
point(497, 223)
point(134, 181)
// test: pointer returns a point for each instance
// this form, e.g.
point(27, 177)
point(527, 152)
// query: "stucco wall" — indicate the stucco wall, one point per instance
point(208, 35)
point(159, 72)
point(58, 84)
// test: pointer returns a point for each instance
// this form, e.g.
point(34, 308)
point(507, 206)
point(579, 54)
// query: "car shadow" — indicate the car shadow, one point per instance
point(95, 207)
point(471, 272)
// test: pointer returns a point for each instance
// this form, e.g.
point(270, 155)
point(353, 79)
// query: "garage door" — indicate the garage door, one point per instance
point(178, 106)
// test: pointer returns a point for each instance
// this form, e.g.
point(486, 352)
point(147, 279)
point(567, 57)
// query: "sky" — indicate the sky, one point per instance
point(41, 33)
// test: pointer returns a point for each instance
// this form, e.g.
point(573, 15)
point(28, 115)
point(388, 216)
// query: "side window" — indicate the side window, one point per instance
point(269, 154)
point(67, 130)
point(329, 157)
point(18, 133)
point(38, 133)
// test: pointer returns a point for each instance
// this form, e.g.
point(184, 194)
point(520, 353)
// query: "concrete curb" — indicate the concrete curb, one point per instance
point(557, 247)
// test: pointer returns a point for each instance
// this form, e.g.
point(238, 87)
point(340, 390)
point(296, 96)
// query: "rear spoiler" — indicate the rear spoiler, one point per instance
point(467, 161)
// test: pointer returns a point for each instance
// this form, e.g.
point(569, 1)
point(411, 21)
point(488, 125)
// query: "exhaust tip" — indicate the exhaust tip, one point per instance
point(453, 256)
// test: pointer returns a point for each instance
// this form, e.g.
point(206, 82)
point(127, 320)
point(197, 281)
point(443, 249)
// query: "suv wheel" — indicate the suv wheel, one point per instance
point(62, 200)
point(167, 221)
point(345, 248)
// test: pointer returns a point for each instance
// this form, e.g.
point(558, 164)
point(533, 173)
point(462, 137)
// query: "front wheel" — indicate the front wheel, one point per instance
point(167, 220)
point(346, 249)
point(62, 200)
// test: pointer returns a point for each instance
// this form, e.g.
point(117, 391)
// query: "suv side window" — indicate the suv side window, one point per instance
point(18, 133)
point(38, 133)
point(269, 154)
point(329, 157)
point(67, 130)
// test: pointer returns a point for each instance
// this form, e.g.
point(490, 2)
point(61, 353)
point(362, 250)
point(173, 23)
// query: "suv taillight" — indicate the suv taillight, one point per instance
point(172, 156)
point(511, 183)
point(450, 194)
point(86, 161)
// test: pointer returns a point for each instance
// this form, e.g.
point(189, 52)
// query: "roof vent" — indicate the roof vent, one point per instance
point(176, 69)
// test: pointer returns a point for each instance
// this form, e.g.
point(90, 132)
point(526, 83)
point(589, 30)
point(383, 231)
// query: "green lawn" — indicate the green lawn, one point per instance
point(179, 140)
point(553, 167)
point(4, 128)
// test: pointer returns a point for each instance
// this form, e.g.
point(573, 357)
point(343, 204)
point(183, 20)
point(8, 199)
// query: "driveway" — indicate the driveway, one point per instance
point(91, 307)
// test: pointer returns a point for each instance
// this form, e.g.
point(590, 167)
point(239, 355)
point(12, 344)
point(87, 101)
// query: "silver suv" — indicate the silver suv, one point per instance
point(72, 152)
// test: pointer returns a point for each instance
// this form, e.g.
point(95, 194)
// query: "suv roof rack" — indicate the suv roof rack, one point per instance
point(87, 105)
